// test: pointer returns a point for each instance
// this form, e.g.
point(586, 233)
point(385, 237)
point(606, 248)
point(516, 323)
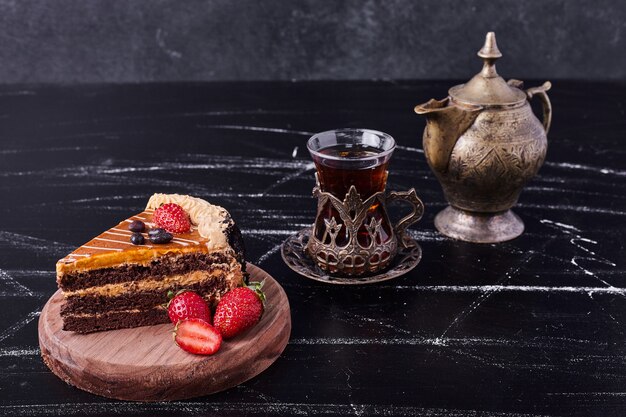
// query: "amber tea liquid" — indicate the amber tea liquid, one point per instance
point(336, 176)
point(346, 165)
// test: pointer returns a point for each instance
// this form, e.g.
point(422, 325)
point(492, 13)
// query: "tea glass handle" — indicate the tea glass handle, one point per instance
point(545, 102)
point(418, 210)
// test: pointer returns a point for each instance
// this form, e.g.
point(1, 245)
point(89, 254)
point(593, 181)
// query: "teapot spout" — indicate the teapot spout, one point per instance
point(446, 121)
point(432, 105)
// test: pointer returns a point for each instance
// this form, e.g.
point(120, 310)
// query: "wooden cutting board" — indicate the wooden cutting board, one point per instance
point(144, 364)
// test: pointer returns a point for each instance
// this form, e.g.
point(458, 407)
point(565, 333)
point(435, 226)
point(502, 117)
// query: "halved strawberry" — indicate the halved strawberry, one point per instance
point(197, 336)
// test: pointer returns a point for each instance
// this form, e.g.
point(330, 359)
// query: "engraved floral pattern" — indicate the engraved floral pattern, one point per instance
point(491, 162)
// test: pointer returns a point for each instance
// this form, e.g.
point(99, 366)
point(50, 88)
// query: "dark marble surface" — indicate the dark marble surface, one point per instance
point(531, 327)
point(64, 41)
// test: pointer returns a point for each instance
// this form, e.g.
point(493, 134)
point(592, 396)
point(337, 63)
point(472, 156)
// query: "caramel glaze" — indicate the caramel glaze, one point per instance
point(113, 247)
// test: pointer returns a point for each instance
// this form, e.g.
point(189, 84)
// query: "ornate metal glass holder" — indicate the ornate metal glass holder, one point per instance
point(369, 242)
point(293, 252)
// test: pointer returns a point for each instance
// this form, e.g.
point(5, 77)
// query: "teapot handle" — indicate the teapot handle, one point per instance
point(545, 102)
point(418, 210)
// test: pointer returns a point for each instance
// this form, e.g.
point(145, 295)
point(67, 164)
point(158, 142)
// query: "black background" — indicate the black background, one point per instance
point(137, 41)
point(531, 327)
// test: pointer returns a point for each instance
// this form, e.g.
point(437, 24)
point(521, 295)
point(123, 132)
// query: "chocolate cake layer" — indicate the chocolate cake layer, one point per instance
point(212, 289)
point(156, 269)
point(114, 320)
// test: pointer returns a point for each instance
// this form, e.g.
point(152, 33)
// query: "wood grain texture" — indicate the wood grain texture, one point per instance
point(144, 363)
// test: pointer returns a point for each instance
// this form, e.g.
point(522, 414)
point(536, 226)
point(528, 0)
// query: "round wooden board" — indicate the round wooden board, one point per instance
point(144, 363)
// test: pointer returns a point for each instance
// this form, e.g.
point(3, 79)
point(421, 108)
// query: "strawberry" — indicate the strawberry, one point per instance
point(172, 218)
point(187, 305)
point(197, 336)
point(238, 310)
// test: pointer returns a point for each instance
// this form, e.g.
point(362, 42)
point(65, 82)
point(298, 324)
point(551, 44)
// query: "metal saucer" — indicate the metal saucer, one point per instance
point(296, 258)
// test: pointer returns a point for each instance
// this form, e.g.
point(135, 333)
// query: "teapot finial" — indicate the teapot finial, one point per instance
point(487, 87)
point(490, 48)
point(489, 53)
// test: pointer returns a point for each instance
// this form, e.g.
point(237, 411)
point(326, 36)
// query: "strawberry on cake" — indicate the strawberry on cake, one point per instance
point(122, 277)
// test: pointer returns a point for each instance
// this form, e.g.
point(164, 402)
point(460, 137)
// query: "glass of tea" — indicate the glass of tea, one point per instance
point(352, 234)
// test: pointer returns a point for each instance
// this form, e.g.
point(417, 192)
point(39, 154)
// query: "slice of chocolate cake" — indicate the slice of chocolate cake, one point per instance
point(112, 283)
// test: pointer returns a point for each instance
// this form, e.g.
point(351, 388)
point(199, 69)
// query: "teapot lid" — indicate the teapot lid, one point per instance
point(487, 87)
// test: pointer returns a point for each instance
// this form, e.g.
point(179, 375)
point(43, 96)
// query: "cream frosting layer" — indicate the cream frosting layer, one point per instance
point(208, 217)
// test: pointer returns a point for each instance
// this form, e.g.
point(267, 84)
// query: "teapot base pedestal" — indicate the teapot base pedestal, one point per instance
point(479, 227)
